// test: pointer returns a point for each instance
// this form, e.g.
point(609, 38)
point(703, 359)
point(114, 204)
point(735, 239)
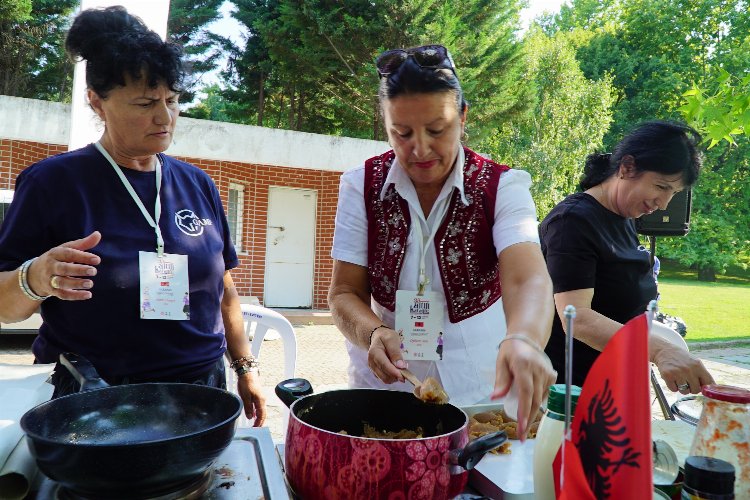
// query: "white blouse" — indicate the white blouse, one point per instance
point(467, 371)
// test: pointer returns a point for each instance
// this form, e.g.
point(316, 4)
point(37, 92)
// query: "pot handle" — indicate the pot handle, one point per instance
point(472, 453)
point(292, 389)
point(83, 371)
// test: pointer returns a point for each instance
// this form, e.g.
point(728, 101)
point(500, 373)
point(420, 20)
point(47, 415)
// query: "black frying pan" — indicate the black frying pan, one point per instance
point(129, 440)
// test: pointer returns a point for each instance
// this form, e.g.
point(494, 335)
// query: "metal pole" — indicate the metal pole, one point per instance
point(660, 397)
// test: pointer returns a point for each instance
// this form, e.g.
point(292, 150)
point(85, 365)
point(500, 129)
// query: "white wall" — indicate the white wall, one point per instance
point(43, 121)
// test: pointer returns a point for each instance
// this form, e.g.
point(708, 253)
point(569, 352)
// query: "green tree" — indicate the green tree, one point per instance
point(568, 120)
point(652, 68)
point(308, 65)
point(32, 62)
point(187, 26)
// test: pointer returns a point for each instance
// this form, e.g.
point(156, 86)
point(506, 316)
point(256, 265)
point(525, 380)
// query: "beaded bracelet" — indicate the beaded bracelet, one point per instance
point(373, 331)
point(23, 282)
point(245, 365)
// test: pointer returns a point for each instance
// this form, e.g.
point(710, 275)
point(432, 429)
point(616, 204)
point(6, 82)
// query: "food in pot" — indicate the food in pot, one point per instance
point(487, 422)
point(432, 392)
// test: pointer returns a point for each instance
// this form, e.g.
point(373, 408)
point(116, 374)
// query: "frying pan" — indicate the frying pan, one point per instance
point(129, 440)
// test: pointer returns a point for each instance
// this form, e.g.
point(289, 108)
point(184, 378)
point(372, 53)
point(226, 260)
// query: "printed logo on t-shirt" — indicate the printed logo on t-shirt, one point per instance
point(189, 223)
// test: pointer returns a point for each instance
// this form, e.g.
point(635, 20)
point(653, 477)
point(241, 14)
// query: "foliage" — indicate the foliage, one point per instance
point(187, 26)
point(651, 68)
point(568, 120)
point(723, 113)
point(32, 62)
point(308, 65)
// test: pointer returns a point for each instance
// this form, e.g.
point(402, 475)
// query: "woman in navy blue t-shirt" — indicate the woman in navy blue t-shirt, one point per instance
point(127, 250)
point(595, 259)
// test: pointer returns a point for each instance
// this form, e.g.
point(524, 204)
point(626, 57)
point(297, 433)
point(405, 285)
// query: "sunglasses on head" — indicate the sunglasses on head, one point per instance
point(426, 56)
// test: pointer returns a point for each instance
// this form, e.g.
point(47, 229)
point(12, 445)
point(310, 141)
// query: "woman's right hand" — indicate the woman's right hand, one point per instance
point(384, 355)
point(64, 270)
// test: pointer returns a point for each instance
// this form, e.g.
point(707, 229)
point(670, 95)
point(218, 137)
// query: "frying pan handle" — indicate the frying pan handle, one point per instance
point(292, 389)
point(83, 371)
point(473, 452)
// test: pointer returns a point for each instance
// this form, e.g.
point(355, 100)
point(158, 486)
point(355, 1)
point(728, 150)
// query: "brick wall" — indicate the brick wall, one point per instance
point(16, 155)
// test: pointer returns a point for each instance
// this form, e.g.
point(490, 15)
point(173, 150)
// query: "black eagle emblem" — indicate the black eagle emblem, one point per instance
point(601, 444)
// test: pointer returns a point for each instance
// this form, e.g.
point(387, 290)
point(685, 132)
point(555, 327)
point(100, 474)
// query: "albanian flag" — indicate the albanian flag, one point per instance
point(609, 456)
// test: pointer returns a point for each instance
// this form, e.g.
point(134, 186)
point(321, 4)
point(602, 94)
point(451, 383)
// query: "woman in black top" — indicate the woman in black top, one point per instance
point(595, 259)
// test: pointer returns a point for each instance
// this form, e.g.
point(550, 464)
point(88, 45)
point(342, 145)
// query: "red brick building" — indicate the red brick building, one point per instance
point(250, 166)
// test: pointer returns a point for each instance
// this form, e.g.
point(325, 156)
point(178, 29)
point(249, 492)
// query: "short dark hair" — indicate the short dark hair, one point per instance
point(664, 147)
point(411, 78)
point(115, 43)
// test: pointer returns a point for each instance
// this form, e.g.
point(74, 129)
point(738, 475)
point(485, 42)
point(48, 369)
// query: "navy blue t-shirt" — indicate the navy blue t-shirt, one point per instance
point(587, 246)
point(66, 197)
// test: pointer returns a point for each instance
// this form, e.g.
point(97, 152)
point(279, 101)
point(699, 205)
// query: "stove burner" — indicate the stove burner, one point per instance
point(191, 490)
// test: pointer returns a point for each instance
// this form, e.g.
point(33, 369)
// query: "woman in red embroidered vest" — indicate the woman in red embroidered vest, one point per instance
point(425, 234)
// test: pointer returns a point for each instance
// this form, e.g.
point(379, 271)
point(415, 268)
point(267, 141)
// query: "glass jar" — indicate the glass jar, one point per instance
point(549, 438)
point(723, 431)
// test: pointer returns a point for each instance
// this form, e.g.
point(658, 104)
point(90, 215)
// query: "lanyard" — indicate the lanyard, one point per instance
point(426, 241)
point(137, 199)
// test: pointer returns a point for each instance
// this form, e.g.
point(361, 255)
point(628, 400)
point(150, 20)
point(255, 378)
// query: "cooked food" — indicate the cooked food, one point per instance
point(487, 422)
point(432, 392)
point(372, 432)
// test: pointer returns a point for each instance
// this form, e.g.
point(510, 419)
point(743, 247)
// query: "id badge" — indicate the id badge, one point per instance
point(164, 286)
point(419, 319)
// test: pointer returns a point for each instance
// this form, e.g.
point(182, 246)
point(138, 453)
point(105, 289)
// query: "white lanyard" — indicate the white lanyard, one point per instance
point(137, 199)
point(427, 242)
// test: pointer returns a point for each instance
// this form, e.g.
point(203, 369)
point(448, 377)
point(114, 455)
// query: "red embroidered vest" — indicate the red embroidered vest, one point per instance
point(464, 245)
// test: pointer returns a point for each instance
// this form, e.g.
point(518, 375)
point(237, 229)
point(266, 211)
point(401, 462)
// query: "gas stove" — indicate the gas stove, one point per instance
point(248, 468)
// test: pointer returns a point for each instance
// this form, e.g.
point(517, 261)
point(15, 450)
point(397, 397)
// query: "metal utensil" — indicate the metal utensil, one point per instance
point(666, 466)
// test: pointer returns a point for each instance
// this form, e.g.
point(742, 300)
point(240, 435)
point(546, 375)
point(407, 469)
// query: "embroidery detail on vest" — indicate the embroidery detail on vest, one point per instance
point(465, 252)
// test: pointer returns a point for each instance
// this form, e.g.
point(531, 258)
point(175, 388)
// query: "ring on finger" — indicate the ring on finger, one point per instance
point(683, 387)
point(54, 282)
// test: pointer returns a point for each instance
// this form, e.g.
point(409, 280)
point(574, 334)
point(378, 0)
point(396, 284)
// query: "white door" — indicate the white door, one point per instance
point(290, 247)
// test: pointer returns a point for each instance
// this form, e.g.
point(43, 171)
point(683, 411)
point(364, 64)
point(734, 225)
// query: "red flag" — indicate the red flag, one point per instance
point(611, 427)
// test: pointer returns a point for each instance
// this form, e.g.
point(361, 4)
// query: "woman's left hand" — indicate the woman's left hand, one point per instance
point(251, 393)
point(681, 370)
point(530, 371)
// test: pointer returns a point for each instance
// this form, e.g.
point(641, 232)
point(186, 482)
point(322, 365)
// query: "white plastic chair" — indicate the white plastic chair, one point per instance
point(259, 322)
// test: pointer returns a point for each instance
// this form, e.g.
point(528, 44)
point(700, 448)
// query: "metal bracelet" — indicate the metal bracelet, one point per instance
point(244, 365)
point(23, 282)
point(520, 336)
point(243, 369)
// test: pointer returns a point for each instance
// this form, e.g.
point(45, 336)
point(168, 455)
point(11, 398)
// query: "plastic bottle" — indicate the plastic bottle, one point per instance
point(708, 478)
point(549, 438)
point(723, 431)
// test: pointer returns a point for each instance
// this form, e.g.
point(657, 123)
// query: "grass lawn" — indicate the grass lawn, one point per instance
point(712, 311)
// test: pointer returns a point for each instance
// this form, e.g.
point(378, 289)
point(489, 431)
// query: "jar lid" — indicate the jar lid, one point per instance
point(726, 393)
point(556, 401)
point(709, 475)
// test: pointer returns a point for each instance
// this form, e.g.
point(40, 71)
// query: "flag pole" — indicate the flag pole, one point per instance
point(570, 314)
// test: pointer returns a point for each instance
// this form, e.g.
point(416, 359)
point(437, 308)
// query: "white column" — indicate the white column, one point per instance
point(85, 126)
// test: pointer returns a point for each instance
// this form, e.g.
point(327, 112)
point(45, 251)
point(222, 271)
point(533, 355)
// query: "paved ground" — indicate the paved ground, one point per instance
point(322, 359)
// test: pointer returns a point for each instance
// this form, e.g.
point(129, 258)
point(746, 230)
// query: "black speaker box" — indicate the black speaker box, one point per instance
point(674, 221)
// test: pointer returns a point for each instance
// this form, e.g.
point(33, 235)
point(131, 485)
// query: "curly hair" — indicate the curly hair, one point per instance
point(115, 43)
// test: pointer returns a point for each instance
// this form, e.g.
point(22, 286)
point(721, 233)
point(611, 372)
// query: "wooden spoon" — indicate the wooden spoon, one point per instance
point(429, 391)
